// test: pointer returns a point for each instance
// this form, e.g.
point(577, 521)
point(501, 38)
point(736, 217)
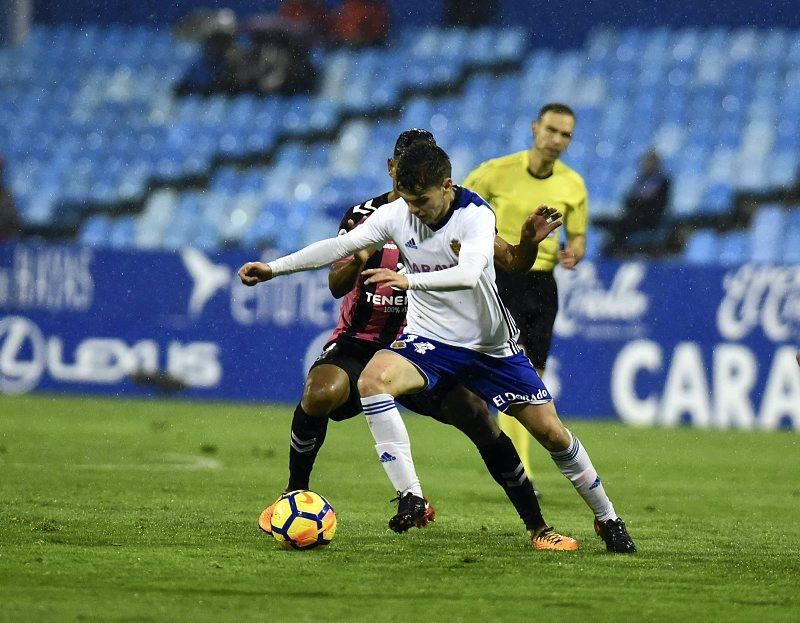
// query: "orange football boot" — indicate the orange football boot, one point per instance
point(549, 539)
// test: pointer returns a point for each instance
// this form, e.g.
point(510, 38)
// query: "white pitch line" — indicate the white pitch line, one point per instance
point(177, 462)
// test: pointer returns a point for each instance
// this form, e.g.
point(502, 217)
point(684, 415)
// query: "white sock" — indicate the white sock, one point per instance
point(391, 442)
point(576, 465)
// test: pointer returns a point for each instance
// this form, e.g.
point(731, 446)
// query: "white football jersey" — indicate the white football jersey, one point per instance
point(472, 318)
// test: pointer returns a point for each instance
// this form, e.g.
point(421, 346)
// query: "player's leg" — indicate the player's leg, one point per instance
point(327, 388)
point(512, 385)
point(519, 437)
point(533, 301)
point(330, 393)
point(461, 408)
point(573, 461)
point(386, 376)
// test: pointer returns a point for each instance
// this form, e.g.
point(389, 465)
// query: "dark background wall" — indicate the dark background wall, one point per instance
point(552, 23)
point(413, 12)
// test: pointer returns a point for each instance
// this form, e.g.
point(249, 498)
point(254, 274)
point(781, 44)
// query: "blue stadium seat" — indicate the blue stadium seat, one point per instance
point(686, 195)
point(122, 233)
point(791, 246)
point(791, 239)
point(723, 106)
point(95, 231)
point(766, 234)
point(717, 199)
point(702, 247)
point(734, 248)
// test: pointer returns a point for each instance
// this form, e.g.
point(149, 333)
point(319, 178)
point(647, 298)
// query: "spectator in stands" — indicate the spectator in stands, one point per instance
point(309, 17)
point(9, 222)
point(266, 54)
point(278, 59)
point(218, 70)
point(361, 22)
point(644, 209)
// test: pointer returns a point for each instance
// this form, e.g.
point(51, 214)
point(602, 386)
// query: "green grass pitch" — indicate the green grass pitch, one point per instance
point(146, 511)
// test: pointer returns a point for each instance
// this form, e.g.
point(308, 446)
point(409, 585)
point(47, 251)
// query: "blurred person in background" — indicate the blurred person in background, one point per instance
point(310, 17)
point(9, 221)
point(218, 69)
point(514, 185)
point(277, 61)
point(644, 209)
point(266, 54)
point(361, 23)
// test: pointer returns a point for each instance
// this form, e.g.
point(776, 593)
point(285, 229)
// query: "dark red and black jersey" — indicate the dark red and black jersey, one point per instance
point(372, 313)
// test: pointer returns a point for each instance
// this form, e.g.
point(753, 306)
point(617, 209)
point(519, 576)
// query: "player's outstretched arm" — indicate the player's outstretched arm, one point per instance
point(318, 254)
point(520, 257)
point(252, 273)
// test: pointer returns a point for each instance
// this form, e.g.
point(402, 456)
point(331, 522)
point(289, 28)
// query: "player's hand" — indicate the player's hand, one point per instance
point(540, 224)
point(567, 258)
point(385, 277)
point(350, 224)
point(361, 256)
point(255, 272)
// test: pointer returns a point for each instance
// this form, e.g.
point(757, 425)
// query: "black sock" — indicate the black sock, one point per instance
point(505, 466)
point(308, 435)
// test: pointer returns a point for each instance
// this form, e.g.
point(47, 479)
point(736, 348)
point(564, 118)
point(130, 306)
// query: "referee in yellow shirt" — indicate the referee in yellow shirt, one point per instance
point(515, 185)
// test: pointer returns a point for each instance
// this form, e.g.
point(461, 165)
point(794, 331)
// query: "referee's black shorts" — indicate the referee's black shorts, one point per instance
point(532, 299)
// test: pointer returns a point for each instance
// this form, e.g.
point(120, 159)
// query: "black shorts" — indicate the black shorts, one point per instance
point(352, 356)
point(532, 299)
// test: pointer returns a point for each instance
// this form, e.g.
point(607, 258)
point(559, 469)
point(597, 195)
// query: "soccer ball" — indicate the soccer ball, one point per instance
point(303, 520)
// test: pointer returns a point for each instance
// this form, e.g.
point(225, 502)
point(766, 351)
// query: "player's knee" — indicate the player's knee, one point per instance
point(543, 423)
point(554, 437)
point(321, 398)
point(372, 382)
point(480, 432)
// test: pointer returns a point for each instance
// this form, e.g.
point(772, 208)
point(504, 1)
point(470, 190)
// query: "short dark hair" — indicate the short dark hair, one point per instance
point(556, 107)
point(409, 137)
point(421, 166)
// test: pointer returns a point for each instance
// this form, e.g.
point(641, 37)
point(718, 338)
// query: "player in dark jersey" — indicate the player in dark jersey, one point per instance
point(371, 317)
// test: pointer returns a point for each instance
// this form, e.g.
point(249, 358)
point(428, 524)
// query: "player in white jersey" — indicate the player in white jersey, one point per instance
point(457, 327)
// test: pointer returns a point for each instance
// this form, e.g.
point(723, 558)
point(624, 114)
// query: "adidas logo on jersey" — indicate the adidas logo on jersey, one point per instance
point(411, 244)
point(387, 458)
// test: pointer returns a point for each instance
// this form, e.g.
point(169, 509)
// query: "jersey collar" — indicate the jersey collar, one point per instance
point(457, 197)
point(527, 162)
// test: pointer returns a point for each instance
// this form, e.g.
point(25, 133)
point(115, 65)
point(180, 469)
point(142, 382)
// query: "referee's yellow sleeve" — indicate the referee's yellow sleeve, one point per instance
point(577, 218)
